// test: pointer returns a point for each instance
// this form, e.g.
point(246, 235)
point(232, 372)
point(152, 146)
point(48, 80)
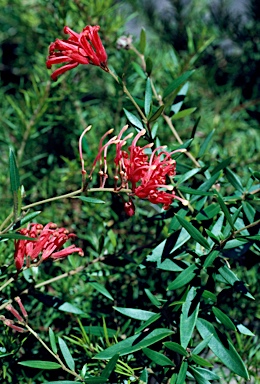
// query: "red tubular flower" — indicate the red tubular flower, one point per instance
point(80, 48)
point(48, 245)
point(143, 175)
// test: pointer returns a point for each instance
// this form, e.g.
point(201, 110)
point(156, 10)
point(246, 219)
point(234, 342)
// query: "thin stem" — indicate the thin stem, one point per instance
point(247, 226)
point(51, 352)
point(6, 283)
point(177, 137)
point(130, 96)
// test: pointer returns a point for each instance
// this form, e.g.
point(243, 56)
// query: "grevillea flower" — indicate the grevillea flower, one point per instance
point(48, 244)
point(139, 174)
point(80, 48)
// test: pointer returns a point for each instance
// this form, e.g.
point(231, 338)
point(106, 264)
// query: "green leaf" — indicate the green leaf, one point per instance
point(210, 258)
point(87, 199)
point(187, 323)
point(244, 330)
point(176, 348)
point(156, 114)
point(142, 40)
point(139, 70)
point(209, 295)
point(29, 217)
point(234, 180)
point(228, 275)
point(149, 65)
point(40, 364)
point(143, 379)
point(195, 234)
point(200, 379)
point(66, 354)
point(148, 322)
point(200, 361)
point(249, 211)
point(187, 175)
point(203, 344)
point(133, 119)
point(208, 375)
point(223, 164)
point(174, 378)
point(99, 331)
point(53, 341)
point(183, 113)
point(148, 97)
point(205, 144)
point(100, 288)
point(157, 357)
point(152, 298)
point(182, 373)
point(95, 380)
point(194, 191)
point(229, 357)
point(60, 382)
point(110, 366)
point(67, 307)
point(126, 346)
point(138, 314)
point(184, 278)
point(14, 174)
point(208, 213)
point(16, 236)
point(224, 319)
point(176, 83)
point(224, 209)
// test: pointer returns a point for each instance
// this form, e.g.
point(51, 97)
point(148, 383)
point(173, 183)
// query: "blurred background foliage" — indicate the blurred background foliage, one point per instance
point(42, 121)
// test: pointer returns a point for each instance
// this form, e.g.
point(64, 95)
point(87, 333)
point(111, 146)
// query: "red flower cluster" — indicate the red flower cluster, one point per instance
point(48, 243)
point(80, 48)
point(147, 174)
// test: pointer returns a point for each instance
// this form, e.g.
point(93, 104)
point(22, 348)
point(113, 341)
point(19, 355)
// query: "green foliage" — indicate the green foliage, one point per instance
point(169, 296)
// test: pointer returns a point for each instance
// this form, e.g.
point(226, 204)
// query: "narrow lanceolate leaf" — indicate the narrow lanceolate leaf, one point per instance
point(152, 298)
point(126, 346)
point(60, 382)
point(200, 361)
point(87, 199)
point(133, 119)
point(187, 322)
point(40, 364)
point(100, 288)
point(183, 113)
point(224, 319)
point(177, 82)
point(53, 341)
point(156, 114)
point(229, 356)
point(244, 330)
point(184, 278)
point(205, 144)
point(234, 180)
point(157, 357)
point(182, 373)
point(110, 366)
point(67, 307)
point(224, 209)
point(138, 314)
point(14, 174)
point(203, 344)
point(66, 354)
point(176, 348)
point(195, 234)
point(16, 236)
point(194, 191)
point(148, 97)
point(200, 379)
point(142, 40)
